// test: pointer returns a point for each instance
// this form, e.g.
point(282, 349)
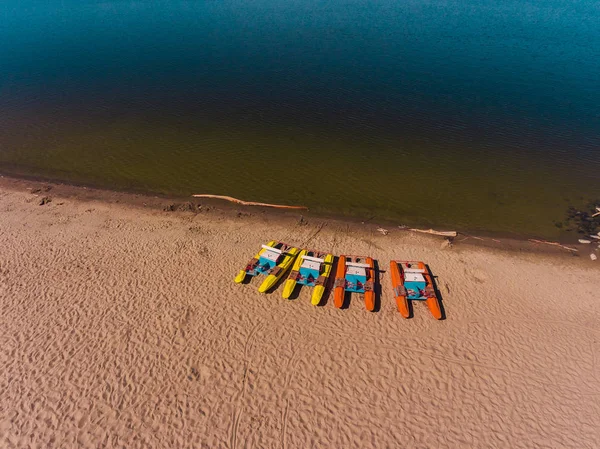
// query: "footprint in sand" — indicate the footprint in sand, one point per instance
point(200, 373)
point(477, 275)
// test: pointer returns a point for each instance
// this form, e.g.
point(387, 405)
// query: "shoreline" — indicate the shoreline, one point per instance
point(491, 240)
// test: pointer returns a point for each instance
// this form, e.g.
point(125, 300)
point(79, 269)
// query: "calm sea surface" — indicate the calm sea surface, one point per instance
point(473, 114)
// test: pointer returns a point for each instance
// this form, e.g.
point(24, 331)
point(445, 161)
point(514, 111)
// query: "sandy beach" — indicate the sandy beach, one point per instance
point(121, 326)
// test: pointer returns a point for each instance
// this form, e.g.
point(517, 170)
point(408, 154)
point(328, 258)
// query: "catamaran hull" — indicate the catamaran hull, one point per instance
point(290, 284)
point(370, 294)
point(399, 291)
point(340, 282)
point(319, 290)
point(432, 301)
point(280, 270)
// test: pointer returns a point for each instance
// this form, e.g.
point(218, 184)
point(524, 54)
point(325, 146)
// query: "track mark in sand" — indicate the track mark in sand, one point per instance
point(285, 421)
point(234, 427)
point(314, 234)
point(337, 239)
point(594, 361)
point(290, 371)
point(239, 409)
point(254, 330)
point(371, 244)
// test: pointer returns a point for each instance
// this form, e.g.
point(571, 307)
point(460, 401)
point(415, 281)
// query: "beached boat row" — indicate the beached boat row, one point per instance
point(354, 274)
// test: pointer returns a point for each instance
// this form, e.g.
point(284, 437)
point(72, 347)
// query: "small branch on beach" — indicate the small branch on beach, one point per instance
point(383, 231)
point(597, 213)
point(553, 244)
point(248, 203)
point(431, 231)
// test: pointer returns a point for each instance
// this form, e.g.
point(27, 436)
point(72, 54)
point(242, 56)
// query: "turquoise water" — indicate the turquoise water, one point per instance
point(468, 114)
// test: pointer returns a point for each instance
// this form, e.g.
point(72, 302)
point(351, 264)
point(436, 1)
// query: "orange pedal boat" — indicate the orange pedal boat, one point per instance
point(355, 274)
point(412, 281)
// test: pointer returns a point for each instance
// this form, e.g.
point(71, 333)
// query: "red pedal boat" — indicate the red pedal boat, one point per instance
point(355, 274)
point(411, 280)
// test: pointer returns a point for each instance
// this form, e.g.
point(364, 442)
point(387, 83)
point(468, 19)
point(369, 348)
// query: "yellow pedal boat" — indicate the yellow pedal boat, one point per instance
point(273, 260)
point(311, 268)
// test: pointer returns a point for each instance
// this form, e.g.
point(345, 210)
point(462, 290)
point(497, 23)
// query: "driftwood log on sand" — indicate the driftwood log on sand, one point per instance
point(553, 244)
point(431, 231)
point(248, 203)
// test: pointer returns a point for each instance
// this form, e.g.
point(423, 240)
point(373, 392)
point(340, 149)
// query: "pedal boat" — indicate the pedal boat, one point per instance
point(312, 268)
point(411, 281)
point(355, 274)
point(273, 260)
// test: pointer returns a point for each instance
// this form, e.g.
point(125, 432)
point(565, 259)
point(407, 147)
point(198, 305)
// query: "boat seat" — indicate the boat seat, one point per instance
point(271, 248)
point(271, 255)
point(413, 277)
point(356, 264)
point(314, 259)
point(311, 265)
point(356, 271)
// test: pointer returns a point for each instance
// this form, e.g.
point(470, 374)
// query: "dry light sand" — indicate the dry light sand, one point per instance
point(121, 326)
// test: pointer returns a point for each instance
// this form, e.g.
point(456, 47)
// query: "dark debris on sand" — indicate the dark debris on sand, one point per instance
point(183, 207)
point(582, 221)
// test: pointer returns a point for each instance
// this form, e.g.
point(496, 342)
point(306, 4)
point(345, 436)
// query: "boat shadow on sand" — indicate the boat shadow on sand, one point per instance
point(438, 293)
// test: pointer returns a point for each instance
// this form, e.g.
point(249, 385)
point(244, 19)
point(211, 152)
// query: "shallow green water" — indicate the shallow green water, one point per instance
point(471, 115)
